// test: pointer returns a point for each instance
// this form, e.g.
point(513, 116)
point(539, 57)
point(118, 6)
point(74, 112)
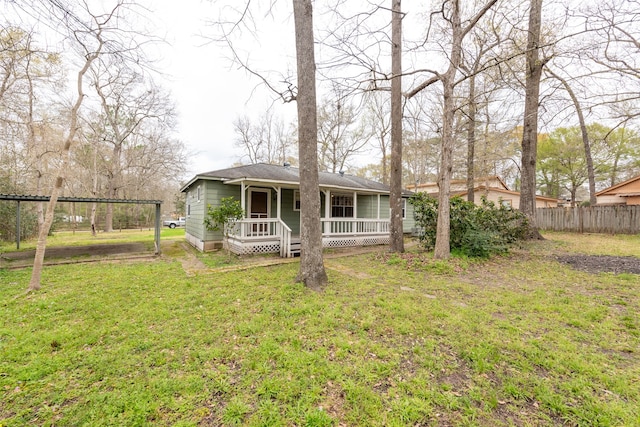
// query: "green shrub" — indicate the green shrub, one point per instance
point(476, 231)
point(481, 243)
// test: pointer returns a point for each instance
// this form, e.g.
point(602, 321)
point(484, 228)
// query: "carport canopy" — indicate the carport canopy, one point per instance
point(24, 198)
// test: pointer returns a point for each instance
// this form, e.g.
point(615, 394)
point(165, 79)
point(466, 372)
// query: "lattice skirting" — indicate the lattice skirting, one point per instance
point(349, 241)
point(273, 246)
point(252, 248)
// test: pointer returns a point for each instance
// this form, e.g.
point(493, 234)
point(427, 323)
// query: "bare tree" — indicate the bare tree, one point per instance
point(378, 118)
point(128, 103)
point(312, 272)
point(92, 35)
point(458, 31)
point(585, 137)
point(341, 133)
point(25, 73)
point(92, 48)
point(264, 141)
point(615, 23)
point(485, 38)
point(534, 67)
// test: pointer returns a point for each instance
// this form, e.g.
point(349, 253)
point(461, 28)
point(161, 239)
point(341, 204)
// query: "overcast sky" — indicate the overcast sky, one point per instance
point(209, 91)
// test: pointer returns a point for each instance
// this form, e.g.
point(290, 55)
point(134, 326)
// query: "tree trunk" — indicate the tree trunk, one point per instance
point(38, 262)
point(395, 195)
point(530, 126)
point(442, 249)
point(114, 183)
point(471, 139)
point(312, 272)
point(39, 205)
point(585, 138)
point(94, 191)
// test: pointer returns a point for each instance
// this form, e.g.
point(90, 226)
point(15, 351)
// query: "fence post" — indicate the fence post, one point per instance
point(18, 225)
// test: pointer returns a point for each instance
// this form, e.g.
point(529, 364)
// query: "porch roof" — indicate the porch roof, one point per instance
point(265, 174)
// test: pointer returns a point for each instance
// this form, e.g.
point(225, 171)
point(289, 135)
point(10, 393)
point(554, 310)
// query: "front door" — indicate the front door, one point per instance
point(259, 208)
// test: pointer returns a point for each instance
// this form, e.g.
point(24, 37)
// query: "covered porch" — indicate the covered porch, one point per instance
point(257, 236)
point(272, 219)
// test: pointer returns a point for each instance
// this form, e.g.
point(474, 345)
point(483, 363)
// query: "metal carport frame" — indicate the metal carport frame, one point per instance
point(23, 198)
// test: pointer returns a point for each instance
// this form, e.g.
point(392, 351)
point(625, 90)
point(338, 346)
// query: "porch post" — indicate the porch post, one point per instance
point(279, 202)
point(156, 237)
point(18, 226)
point(243, 199)
point(355, 204)
point(378, 218)
point(327, 211)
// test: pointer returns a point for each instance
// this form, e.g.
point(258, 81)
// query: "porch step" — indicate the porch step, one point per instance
point(295, 247)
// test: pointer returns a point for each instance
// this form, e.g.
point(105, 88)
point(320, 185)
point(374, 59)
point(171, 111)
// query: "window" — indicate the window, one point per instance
point(341, 206)
point(296, 200)
point(506, 203)
point(404, 208)
point(188, 210)
point(198, 192)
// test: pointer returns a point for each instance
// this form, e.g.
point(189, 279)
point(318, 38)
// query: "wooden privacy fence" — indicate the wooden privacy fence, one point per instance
point(594, 219)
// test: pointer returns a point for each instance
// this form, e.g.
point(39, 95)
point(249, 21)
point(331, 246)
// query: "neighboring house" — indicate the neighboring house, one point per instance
point(354, 211)
point(460, 185)
point(493, 188)
point(507, 197)
point(624, 193)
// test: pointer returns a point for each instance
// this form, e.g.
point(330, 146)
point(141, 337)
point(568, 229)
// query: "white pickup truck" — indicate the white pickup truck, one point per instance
point(173, 223)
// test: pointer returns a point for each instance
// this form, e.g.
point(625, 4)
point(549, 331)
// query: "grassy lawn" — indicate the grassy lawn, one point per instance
point(393, 341)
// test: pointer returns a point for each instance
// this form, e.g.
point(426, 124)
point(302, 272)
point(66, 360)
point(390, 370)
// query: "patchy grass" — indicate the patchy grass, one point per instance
point(597, 244)
point(393, 341)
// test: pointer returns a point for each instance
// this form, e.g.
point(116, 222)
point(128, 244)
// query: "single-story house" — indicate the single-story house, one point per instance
point(354, 211)
point(624, 193)
point(493, 188)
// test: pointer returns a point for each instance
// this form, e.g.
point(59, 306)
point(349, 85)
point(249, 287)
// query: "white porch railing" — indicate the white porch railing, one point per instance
point(269, 235)
point(354, 226)
point(253, 230)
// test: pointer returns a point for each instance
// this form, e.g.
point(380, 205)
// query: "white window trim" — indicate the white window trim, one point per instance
point(296, 197)
point(259, 190)
point(353, 204)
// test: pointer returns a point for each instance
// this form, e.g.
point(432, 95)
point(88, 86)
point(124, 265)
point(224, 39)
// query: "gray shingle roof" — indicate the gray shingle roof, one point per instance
point(262, 171)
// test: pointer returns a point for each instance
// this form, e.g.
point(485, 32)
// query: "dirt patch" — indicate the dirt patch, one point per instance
point(76, 254)
point(78, 251)
point(602, 263)
point(190, 262)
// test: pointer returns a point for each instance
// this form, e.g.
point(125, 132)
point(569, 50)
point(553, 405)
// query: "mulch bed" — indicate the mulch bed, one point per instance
point(602, 263)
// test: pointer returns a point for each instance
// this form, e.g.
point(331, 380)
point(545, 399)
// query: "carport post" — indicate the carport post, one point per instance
point(157, 237)
point(18, 226)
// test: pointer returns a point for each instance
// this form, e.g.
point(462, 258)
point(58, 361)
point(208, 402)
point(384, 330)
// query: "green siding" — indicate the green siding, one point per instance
point(211, 192)
point(288, 215)
point(368, 206)
point(409, 222)
point(385, 210)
